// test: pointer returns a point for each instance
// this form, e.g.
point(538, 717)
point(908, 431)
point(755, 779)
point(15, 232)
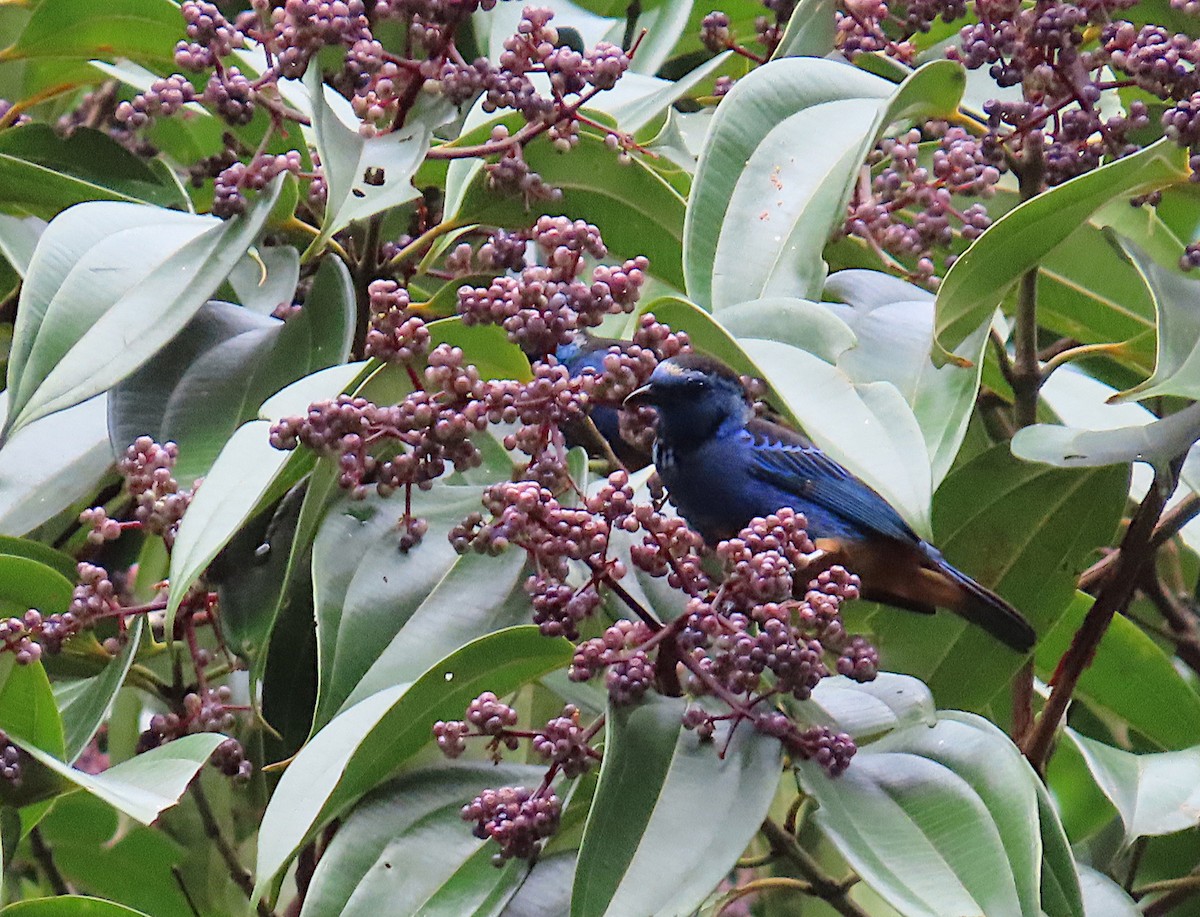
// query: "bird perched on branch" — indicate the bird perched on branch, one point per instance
point(722, 467)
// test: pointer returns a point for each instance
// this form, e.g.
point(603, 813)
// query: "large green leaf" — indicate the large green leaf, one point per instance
point(224, 364)
point(938, 821)
point(810, 31)
point(42, 173)
point(1177, 365)
point(248, 472)
point(28, 715)
point(778, 166)
point(868, 710)
point(1165, 708)
point(1020, 239)
point(27, 583)
point(369, 594)
point(1102, 897)
point(37, 483)
point(144, 786)
point(643, 849)
point(138, 29)
point(1060, 887)
point(109, 285)
point(1153, 794)
point(1158, 442)
point(347, 156)
point(1024, 530)
point(266, 278)
point(84, 703)
point(404, 850)
point(364, 745)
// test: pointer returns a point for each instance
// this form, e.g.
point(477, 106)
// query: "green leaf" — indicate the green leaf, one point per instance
point(1025, 235)
point(638, 100)
point(142, 787)
point(1102, 897)
point(778, 166)
point(242, 478)
point(1157, 443)
point(364, 745)
point(810, 31)
point(143, 30)
point(347, 157)
point(867, 711)
point(43, 554)
point(109, 285)
point(1154, 794)
point(1177, 363)
point(644, 850)
point(778, 100)
point(893, 324)
point(1165, 708)
point(404, 850)
point(38, 483)
point(266, 277)
point(27, 583)
point(940, 820)
point(1060, 890)
point(84, 703)
point(369, 594)
point(42, 173)
point(635, 209)
point(30, 718)
point(69, 906)
point(224, 364)
point(1026, 531)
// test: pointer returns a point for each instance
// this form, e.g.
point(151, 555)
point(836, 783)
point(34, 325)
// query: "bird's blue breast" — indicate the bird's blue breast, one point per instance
point(713, 488)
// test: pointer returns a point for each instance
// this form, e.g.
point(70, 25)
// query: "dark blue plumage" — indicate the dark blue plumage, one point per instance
point(586, 353)
point(722, 467)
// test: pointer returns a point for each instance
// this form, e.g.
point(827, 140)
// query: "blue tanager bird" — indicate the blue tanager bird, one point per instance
point(722, 467)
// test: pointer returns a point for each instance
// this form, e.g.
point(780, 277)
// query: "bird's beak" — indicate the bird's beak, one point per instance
point(638, 397)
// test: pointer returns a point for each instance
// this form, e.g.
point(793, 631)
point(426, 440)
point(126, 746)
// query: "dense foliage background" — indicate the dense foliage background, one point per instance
point(289, 465)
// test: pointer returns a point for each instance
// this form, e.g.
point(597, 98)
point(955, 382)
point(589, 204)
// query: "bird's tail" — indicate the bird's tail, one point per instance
point(985, 609)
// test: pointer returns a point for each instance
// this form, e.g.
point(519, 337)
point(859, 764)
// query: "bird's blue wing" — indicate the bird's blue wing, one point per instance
point(784, 459)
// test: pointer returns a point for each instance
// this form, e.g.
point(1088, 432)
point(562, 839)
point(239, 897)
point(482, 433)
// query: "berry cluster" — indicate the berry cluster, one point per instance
point(160, 504)
point(395, 334)
point(11, 759)
point(203, 710)
point(543, 307)
point(383, 84)
point(910, 209)
point(516, 818)
point(430, 429)
point(94, 597)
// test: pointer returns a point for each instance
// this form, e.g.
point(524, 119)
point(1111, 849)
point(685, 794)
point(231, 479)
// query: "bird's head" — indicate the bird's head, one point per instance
point(695, 397)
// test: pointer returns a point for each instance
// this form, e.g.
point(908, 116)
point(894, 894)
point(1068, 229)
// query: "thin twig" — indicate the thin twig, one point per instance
point(237, 871)
point(771, 883)
point(1135, 551)
point(1177, 891)
point(177, 873)
point(45, 858)
point(824, 886)
point(1168, 527)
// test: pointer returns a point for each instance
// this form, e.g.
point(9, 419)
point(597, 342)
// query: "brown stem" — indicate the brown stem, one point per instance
point(1026, 373)
point(1182, 620)
point(45, 859)
point(824, 886)
point(1172, 521)
point(1135, 551)
point(237, 871)
point(1177, 892)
